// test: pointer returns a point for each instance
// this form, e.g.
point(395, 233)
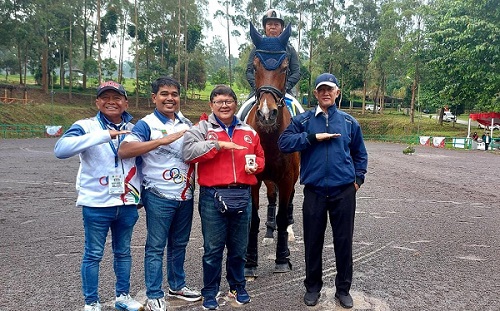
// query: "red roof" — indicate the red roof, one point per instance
point(485, 118)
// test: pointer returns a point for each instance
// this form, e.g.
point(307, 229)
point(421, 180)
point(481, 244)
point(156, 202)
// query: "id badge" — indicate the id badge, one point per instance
point(116, 183)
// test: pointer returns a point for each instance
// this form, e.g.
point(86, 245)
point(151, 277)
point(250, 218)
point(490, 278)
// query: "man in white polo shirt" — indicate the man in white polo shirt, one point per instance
point(168, 185)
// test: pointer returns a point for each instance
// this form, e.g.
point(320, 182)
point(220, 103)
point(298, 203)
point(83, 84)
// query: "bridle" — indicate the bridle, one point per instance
point(279, 96)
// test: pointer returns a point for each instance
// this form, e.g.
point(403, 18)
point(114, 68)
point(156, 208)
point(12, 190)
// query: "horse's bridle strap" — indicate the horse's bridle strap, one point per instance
point(277, 94)
point(270, 52)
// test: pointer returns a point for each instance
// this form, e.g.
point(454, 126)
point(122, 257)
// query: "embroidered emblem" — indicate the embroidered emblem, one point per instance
point(247, 139)
point(211, 136)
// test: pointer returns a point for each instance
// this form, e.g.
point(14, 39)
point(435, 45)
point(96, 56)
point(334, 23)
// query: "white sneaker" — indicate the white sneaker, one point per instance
point(185, 293)
point(126, 303)
point(158, 304)
point(95, 306)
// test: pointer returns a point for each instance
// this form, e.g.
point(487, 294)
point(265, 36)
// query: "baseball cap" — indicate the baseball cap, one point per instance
point(111, 85)
point(326, 79)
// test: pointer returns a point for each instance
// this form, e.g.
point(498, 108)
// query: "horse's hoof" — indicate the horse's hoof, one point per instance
point(291, 234)
point(283, 267)
point(251, 272)
point(267, 241)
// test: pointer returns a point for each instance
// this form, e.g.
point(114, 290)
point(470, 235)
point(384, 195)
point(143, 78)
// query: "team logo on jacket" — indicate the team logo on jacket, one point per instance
point(211, 136)
point(247, 139)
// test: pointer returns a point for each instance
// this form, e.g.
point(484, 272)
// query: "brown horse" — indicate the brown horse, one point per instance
point(270, 117)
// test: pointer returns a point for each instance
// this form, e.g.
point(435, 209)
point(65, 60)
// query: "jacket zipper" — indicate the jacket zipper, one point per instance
point(232, 155)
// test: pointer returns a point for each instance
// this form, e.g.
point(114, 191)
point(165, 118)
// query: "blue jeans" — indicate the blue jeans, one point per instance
point(96, 222)
point(166, 220)
point(219, 230)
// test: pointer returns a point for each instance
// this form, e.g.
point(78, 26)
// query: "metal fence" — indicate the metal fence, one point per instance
point(394, 139)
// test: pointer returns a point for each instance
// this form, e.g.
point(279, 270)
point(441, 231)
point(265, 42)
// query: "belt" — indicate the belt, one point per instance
point(233, 186)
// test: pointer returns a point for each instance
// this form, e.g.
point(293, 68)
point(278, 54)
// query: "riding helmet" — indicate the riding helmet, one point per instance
point(272, 14)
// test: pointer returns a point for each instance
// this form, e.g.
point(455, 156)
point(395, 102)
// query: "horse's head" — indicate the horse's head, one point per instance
point(271, 66)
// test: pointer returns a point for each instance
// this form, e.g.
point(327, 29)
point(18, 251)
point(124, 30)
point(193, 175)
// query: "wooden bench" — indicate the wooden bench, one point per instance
point(8, 98)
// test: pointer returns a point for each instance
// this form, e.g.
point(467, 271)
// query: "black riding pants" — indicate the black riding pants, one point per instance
point(340, 209)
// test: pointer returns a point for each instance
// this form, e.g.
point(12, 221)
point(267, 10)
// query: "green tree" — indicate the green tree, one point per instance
point(216, 56)
point(220, 77)
point(464, 52)
point(363, 26)
point(384, 62)
point(109, 67)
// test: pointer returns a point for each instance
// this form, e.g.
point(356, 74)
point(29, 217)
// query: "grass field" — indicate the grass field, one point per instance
point(391, 123)
point(55, 109)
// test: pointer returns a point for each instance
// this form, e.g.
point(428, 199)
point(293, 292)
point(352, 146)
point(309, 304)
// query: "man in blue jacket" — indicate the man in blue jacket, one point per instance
point(333, 165)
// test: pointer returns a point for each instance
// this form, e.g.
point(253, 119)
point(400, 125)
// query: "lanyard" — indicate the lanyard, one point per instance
point(120, 139)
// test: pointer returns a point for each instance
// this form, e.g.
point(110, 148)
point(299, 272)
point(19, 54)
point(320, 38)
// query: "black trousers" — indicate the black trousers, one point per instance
point(316, 210)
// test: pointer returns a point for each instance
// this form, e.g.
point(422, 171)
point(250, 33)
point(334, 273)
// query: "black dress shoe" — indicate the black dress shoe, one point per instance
point(344, 300)
point(311, 298)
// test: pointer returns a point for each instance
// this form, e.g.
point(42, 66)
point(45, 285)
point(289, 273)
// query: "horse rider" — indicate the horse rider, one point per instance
point(273, 25)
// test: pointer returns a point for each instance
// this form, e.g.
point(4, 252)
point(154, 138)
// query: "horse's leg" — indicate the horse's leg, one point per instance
point(272, 196)
point(282, 261)
point(252, 248)
point(291, 221)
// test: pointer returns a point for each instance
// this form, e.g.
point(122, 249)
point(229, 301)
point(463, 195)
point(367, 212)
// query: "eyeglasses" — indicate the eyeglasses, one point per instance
point(220, 103)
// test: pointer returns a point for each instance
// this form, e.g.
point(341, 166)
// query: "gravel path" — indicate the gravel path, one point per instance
point(426, 238)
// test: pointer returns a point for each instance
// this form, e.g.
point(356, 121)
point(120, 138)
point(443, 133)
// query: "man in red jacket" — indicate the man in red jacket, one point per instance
point(219, 145)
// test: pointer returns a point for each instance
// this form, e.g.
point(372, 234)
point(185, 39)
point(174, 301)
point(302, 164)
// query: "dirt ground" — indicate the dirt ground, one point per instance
point(426, 237)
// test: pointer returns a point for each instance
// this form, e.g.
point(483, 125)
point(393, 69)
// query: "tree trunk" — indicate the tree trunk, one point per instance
point(363, 105)
point(85, 46)
point(186, 63)
point(122, 43)
point(25, 64)
point(45, 64)
point(136, 57)
point(178, 65)
point(297, 87)
point(99, 62)
point(412, 102)
point(20, 62)
point(70, 59)
point(61, 71)
point(229, 45)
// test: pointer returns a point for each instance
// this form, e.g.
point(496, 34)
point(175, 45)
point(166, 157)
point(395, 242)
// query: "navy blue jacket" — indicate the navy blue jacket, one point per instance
point(331, 164)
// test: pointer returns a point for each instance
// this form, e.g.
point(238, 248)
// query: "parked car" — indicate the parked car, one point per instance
point(370, 107)
point(448, 116)
point(488, 127)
